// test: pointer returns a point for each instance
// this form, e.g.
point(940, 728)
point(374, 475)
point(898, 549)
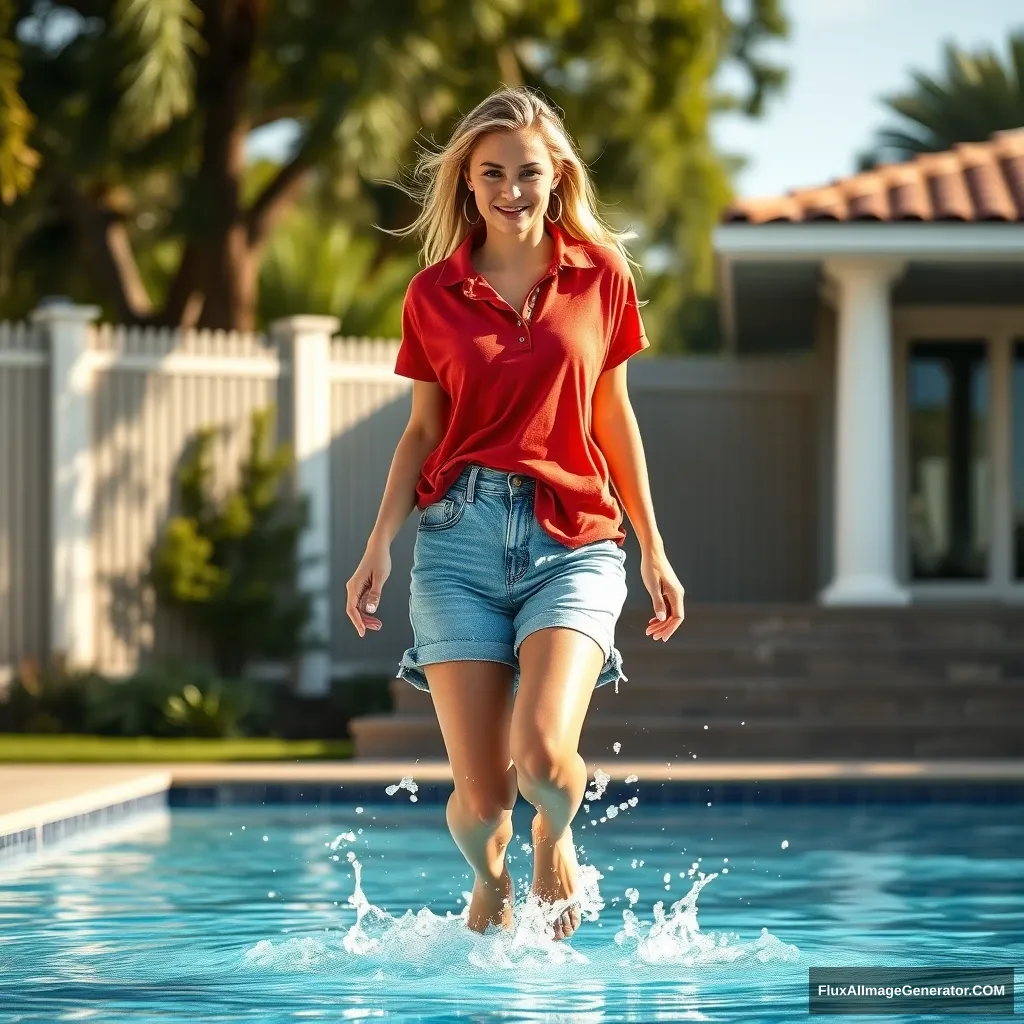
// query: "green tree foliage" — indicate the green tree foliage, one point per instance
point(323, 264)
point(143, 111)
point(977, 94)
point(230, 566)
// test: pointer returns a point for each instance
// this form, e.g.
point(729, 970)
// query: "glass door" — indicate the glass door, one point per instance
point(950, 466)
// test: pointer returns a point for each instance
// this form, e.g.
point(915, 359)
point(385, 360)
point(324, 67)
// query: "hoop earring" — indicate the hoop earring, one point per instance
point(561, 206)
point(465, 212)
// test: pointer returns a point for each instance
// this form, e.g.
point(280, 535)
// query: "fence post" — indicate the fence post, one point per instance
point(72, 585)
point(309, 339)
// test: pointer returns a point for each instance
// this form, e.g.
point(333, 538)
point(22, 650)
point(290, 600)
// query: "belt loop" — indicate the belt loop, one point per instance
point(471, 488)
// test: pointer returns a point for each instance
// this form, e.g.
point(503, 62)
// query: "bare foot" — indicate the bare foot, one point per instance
point(492, 904)
point(555, 875)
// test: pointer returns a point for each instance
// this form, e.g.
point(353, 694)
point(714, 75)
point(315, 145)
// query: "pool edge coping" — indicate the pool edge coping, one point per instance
point(28, 826)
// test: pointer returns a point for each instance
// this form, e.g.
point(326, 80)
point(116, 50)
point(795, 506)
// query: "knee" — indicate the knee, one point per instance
point(543, 764)
point(485, 805)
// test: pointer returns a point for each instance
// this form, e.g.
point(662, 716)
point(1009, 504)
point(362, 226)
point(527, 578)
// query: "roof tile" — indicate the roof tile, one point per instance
point(978, 181)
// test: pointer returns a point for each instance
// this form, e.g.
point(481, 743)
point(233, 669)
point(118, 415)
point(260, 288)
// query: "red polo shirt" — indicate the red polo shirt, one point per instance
point(518, 389)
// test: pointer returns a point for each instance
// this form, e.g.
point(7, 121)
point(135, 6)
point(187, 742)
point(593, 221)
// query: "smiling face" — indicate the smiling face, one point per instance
point(511, 176)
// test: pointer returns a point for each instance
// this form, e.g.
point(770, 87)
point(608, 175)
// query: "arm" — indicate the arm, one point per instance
point(421, 436)
point(618, 436)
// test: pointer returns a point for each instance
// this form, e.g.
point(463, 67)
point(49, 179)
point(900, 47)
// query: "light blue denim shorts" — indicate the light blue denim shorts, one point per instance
point(486, 575)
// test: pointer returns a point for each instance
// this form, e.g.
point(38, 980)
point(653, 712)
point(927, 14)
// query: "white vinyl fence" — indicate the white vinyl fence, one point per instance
point(94, 420)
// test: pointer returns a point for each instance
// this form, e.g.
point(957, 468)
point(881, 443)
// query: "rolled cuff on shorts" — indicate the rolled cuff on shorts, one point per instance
point(410, 668)
point(611, 670)
point(411, 671)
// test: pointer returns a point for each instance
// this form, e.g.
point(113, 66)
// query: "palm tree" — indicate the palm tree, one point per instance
point(124, 127)
point(977, 94)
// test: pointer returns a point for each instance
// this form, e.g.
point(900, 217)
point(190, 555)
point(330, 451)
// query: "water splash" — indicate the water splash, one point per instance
point(431, 943)
point(601, 780)
point(406, 783)
point(676, 937)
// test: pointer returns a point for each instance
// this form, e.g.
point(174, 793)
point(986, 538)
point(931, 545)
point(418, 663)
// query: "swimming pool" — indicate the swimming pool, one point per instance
point(249, 913)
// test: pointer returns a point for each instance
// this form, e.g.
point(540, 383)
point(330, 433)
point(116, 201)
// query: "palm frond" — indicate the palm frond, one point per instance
point(159, 80)
point(976, 95)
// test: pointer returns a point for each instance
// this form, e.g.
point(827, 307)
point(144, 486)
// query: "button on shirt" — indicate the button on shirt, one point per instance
point(518, 384)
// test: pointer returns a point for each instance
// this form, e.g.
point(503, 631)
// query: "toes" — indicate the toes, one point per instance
point(566, 923)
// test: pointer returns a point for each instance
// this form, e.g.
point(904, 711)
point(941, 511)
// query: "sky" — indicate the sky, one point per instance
point(843, 56)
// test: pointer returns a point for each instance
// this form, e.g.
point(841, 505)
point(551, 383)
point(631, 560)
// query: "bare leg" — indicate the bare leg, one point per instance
point(473, 702)
point(558, 670)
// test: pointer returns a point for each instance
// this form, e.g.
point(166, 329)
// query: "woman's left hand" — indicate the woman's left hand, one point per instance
point(666, 592)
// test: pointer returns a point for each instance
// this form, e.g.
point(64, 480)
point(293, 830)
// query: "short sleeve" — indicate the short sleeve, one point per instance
point(412, 359)
point(627, 328)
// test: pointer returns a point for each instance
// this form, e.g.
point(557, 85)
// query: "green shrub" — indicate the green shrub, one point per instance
point(42, 699)
point(230, 568)
point(165, 700)
point(161, 701)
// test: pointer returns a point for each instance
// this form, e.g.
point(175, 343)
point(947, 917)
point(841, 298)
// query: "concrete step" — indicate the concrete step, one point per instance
point(925, 665)
point(798, 699)
point(677, 738)
point(809, 682)
point(809, 702)
point(970, 624)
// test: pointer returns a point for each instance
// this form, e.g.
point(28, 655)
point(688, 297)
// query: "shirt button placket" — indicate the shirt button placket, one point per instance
point(529, 311)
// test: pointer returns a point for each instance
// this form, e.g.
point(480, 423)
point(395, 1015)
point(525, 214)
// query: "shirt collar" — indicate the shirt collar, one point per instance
point(569, 252)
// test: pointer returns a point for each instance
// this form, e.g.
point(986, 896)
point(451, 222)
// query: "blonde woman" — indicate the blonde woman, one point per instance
point(516, 337)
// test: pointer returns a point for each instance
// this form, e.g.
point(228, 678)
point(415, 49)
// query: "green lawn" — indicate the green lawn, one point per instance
point(17, 748)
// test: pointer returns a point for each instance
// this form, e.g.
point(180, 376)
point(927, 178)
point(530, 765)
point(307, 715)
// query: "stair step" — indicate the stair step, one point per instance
point(946, 625)
point(797, 699)
point(809, 682)
point(912, 664)
point(411, 736)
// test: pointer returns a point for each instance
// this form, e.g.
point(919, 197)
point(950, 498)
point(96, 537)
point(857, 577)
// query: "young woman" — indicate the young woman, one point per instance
point(516, 336)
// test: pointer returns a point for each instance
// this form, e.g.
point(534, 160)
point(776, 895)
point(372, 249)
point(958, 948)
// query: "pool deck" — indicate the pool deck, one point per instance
point(33, 796)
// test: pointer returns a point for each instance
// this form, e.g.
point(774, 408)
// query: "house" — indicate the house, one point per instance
point(907, 281)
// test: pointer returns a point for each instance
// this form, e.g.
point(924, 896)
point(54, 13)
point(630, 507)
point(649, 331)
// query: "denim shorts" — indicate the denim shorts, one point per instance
point(486, 575)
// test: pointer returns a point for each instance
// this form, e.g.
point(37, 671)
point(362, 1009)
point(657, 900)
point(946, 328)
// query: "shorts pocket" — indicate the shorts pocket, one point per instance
point(443, 514)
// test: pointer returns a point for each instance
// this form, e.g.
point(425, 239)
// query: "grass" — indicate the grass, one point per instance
point(19, 748)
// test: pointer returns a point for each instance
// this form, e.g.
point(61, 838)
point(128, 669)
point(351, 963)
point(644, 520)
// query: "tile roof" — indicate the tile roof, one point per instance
point(975, 181)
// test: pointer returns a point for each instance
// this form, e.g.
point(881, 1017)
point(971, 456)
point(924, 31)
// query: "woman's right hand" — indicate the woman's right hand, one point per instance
point(364, 587)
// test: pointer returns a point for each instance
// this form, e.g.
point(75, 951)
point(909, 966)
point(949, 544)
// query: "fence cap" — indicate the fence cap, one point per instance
point(306, 323)
point(55, 308)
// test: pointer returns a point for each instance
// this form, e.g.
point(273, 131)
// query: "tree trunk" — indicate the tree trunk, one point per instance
point(216, 282)
point(231, 282)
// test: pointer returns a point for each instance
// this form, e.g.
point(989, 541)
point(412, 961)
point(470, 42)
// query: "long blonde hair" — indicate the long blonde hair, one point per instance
point(440, 188)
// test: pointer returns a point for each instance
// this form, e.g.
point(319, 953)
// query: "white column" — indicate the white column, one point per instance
point(72, 582)
point(309, 338)
point(865, 490)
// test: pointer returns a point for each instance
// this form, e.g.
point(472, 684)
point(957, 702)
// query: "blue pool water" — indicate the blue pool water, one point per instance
point(290, 913)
